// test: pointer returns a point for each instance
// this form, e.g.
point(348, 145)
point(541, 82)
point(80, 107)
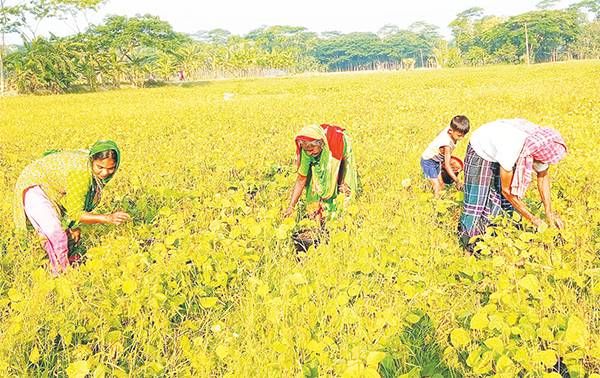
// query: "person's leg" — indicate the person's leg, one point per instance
point(432, 171)
point(478, 177)
point(438, 185)
point(45, 220)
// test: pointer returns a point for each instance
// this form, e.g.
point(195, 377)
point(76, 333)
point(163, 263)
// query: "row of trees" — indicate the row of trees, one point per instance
point(144, 49)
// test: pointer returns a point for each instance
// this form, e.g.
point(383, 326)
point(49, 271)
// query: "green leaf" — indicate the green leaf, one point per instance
point(215, 225)
point(128, 286)
point(262, 290)
point(373, 358)
point(530, 283)
point(208, 302)
point(576, 333)
point(113, 336)
point(595, 272)
point(298, 279)
point(99, 372)
point(279, 347)
point(282, 232)
point(222, 351)
point(459, 337)
point(474, 358)
point(412, 318)
point(371, 373)
point(495, 343)
point(526, 237)
point(315, 346)
point(353, 290)
point(34, 355)
point(15, 295)
point(255, 230)
point(78, 369)
point(484, 364)
point(546, 357)
point(504, 364)
point(479, 321)
point(354, 369)
point(120, 373)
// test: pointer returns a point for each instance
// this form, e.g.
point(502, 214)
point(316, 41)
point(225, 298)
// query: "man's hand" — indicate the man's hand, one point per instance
point(554, 220)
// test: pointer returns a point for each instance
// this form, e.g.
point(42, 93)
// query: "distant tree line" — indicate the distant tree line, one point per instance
point(144, 50)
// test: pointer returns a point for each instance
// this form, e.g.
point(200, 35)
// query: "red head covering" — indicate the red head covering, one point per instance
point(332, 135)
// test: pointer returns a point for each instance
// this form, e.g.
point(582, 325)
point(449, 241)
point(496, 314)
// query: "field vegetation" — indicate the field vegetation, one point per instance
point(205, 282)
point(144, 50)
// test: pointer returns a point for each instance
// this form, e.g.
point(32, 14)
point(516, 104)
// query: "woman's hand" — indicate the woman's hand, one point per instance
point(289, 211)
point(296, 191)
point(344, 189)
point(117, 218)
point(74, 233)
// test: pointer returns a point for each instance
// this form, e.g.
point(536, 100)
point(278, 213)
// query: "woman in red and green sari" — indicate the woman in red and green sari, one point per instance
point(326, 168)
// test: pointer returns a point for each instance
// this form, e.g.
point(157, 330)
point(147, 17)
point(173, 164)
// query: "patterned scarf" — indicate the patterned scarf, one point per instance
point(545, 145)
point(94, 196)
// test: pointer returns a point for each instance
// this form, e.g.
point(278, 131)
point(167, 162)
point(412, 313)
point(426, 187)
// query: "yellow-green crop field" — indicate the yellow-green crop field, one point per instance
point(205, 282)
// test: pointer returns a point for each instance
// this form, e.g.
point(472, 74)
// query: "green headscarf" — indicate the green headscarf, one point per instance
point(105, 145)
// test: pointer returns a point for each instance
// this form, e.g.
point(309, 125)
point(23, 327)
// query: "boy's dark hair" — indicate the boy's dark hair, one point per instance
point(461, 124)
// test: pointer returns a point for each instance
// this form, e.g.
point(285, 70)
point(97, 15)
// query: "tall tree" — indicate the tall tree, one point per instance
point(124, 36)
point(388, 30)
point(34, 12)
point(463, 27)
point(591, 6)
point(9, 19)
point(549, 33)
point(547, 4)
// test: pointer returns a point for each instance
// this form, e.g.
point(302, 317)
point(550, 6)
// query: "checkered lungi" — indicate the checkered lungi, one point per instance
point(483, 197)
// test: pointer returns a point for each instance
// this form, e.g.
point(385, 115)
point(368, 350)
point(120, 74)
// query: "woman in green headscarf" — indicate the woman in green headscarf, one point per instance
point(59, 191)
point(326, 168)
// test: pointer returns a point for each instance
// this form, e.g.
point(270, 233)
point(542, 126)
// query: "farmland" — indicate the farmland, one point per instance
point(205, 281)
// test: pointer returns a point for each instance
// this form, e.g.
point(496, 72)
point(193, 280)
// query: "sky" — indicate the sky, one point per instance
point(241, 16)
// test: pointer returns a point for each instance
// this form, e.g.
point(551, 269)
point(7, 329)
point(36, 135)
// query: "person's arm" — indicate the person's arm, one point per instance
point(342, 186)
point(505, 180)
point(296, 193)
point(543, 184)
point(117, 218)
point(448, 166)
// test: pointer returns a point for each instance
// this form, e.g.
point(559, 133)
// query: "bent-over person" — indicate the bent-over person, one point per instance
point(59, 191)
point(499, 162)
point(326, 168)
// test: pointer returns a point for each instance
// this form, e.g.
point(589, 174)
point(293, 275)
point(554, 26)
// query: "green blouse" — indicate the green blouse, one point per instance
point(67, 180)
point(307, 160)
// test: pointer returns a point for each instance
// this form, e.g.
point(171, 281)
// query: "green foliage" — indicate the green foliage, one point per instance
point(549, 32)
point(144, 50)
point(43, 64)
point(205, 280)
